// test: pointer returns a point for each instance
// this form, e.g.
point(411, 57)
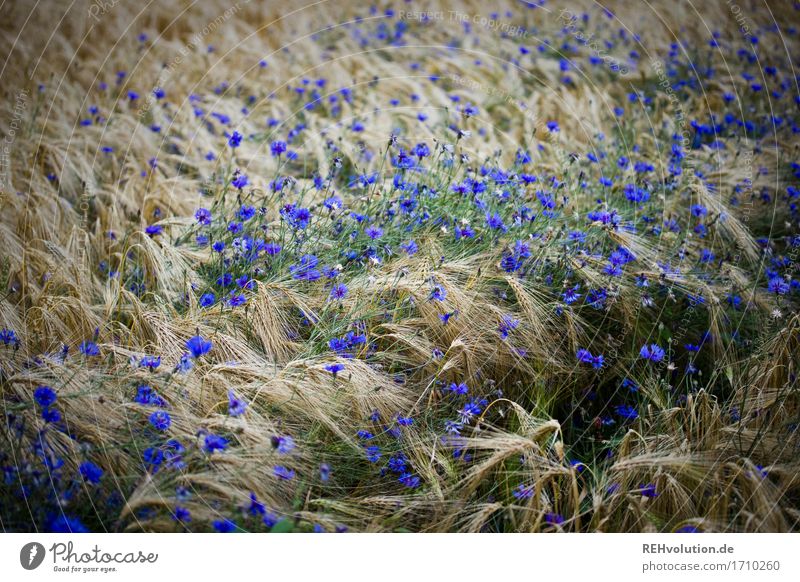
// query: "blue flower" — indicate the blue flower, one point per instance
point(203, 216)
point(277, 147)
point(324, 472)
point(305, 269)
point(235, 139)
point(160, 420)
point(90, 472)
point(778, 286)
point(410, 247)
point(438, 293)
point(373, 232)
point(9, 337)
point(461, 388)
point(44, 396)
point(334, 368)
point(213, 442)
point(586, 357)
point(89, 348)
point(51, 415)
point(224, 525)
point(283, 473)
point(236, 406)
point(653, 352)
point(627, 412)
point(62, 523)
point(552, 127)
point(507, 325)
point(240, 181)
point(198, 346)
point(648, 490)
point(283, 444)
point(554, 518)
point(421, 150)
point(151, 362)
point(494, 222)
point(373, 453)
point(409, 480)
point(339, 291)
point(523, 491)
point(182, 514)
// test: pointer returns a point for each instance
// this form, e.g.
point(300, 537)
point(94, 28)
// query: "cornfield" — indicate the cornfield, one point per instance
point(443, 267)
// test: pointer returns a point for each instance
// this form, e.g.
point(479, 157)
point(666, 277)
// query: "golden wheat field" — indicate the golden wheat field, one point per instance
point(397, 266)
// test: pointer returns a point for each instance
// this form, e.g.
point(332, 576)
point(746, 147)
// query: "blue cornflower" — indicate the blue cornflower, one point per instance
point(571, 295)
point(495, 222)
point(507, 325)
point(553, 518)
point(283, 444)
point(9, 337)
point(523, 491)
point(213, 442)
point(223, 525)
point(184, 364)
point(44, 396)
point(277, 147)
point(438, 293)
point(283, 473)
point(334, 368)
point(373, 232)
point(552, 127)
point(235, 139)
point(421, 150)
point(410, 247)
point(236, 406)
point(90, 472)
point(154, 230)
point(160, 420)
point(240, 181)
point(51, 415)
point(236, 299)
point(453, 427)
point(653, 352)
point(324, 472)
point(373, 453)
point(461, 388)
point(648, 490)
point(627, 412)
point(182, 514)
point(586, 357)
point(89, 348)
point(151, 362)
point(207, 300)
point(409, 480)
point(339, 291)
point(198, 346)
point(778, 286)
point(305, 269)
